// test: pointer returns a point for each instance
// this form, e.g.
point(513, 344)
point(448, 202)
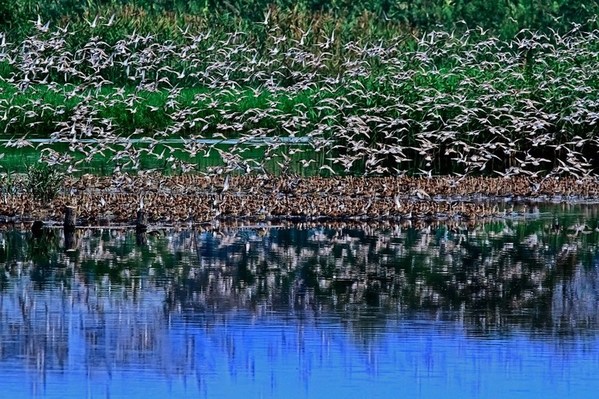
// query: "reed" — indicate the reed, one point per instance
point(43, 183)
point(366, 18)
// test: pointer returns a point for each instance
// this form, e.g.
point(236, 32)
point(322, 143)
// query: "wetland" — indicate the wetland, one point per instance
point(308, 200)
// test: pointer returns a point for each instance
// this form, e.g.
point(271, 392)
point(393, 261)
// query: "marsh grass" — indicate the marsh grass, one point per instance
point(43, 183)
point(373, 19)
point(9, 185)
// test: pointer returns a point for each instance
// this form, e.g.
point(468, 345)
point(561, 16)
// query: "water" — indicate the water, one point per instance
point(503, 309)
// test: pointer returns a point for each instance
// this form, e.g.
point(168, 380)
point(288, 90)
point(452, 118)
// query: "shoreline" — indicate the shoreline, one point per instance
point(204, 200)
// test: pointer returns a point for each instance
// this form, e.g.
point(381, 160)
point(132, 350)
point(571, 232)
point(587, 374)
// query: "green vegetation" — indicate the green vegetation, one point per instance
point(364, 19)
point(9, 185)
point(43, 183)
point(374, 87)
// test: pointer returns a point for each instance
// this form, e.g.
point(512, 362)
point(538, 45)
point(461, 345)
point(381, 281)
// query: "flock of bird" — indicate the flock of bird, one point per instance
point(212, 200)
point(466, 104)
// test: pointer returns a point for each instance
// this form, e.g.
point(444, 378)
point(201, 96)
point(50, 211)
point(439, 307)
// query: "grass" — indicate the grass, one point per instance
point(372, 19)
point(43, 183)
point(20, 161)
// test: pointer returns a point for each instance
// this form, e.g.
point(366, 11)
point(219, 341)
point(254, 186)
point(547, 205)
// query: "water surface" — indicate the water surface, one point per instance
point(502, 309)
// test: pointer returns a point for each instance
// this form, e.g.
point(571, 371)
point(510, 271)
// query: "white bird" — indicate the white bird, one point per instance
point(225, 185)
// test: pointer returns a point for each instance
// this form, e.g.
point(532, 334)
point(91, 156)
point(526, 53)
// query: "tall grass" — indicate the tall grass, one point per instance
point(362, 19)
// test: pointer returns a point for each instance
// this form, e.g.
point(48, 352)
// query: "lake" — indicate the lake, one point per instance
point(507, 308)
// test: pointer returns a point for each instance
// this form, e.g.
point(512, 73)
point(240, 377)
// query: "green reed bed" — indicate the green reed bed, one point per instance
point(372, 18)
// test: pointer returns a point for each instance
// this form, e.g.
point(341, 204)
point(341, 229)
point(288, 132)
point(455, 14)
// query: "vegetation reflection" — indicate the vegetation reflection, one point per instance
point(116, 301)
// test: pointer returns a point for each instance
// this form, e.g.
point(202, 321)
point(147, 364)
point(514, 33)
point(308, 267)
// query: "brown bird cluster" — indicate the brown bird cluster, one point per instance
point(255, 198)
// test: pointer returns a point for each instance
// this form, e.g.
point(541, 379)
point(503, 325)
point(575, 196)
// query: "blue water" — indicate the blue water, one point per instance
point(235, 318)
point(277, 356)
